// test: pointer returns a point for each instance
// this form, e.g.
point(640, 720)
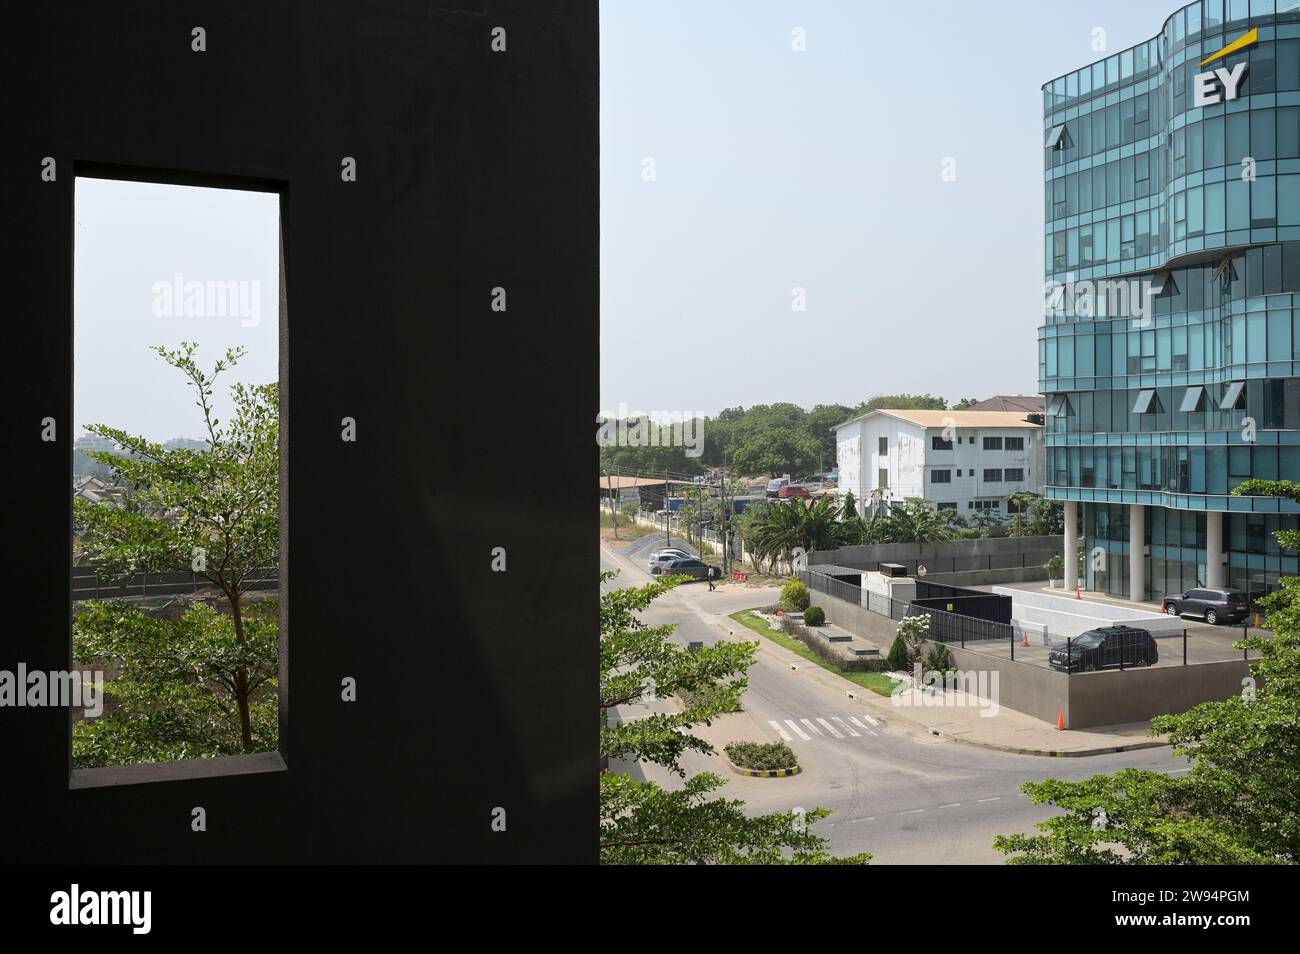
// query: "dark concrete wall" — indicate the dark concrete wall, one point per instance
point(949, 556)
point(475, 169)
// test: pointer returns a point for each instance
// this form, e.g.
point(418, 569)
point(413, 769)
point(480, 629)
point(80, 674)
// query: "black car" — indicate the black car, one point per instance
point(1214, 606)
point(1110, 647)
point(696, 568)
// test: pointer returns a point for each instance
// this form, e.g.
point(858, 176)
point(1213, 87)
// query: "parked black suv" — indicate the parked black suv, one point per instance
point(1111, 647)
point(1214, 606)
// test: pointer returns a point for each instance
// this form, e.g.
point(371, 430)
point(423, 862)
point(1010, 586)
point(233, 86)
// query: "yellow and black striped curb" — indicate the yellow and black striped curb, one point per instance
point(764, 773)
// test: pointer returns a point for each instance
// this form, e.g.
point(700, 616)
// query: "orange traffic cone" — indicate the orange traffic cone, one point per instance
point(1078, 591)
point(1060, 719)
point(1026, 635)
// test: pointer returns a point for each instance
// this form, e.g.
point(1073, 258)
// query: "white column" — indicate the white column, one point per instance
point(1071, 512)
point(1137, 561)
point(1213, 548)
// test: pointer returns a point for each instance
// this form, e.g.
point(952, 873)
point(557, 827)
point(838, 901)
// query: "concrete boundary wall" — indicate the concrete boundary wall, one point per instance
point(1135, 695)
point(949, 556)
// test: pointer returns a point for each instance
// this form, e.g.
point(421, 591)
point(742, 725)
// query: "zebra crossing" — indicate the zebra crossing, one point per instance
point(837, 727)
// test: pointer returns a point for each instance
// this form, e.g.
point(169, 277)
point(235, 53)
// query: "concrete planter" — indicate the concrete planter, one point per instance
point(763, 773)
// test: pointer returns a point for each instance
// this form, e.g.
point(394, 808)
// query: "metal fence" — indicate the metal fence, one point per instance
point(849, 593)
point(89, 584)
point(956, 628)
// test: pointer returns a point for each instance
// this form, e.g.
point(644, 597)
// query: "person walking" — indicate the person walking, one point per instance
point(713, 573)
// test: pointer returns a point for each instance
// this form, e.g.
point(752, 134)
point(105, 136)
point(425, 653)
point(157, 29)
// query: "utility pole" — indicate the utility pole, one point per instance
point(609, 491)
point(726, 523)
point(668, 518)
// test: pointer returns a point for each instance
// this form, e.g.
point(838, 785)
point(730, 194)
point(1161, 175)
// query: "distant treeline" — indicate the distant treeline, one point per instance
point(763, 439)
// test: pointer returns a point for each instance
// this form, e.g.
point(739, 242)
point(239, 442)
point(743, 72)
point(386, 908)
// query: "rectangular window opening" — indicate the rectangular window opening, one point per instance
point(179, 335)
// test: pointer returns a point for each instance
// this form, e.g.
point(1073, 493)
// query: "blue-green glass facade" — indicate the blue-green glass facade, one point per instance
point(1171, 401)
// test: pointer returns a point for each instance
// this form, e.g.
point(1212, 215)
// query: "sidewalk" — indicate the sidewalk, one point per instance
point(1008, 731)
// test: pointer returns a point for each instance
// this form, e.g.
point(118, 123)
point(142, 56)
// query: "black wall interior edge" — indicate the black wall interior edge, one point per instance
point(475, 169)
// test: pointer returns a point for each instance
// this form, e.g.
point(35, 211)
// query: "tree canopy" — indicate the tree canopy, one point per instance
point(643, 822)
point(203, 684)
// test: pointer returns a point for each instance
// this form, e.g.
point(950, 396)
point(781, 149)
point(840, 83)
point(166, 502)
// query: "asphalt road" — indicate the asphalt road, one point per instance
point(904, 796)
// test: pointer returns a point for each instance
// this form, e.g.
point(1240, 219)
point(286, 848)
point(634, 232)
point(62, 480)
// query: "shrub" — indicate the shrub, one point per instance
point(795, 596)
point(897, 657)
point(940, 659)
point(814, 616)
point(762, 756)
point(818, 644)
point(915, 632)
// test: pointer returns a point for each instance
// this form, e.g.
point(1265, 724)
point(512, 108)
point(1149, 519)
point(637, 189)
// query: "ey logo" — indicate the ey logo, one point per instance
point(1207, 86)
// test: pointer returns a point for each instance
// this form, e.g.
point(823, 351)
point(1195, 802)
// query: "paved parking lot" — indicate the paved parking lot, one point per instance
point(1205, 643)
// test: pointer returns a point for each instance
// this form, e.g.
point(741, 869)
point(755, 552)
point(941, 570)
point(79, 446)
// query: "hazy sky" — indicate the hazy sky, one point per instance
point(821, 169)
point(132, 239)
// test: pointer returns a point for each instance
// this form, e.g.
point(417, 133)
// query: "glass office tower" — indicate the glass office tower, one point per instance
point(1169, 353)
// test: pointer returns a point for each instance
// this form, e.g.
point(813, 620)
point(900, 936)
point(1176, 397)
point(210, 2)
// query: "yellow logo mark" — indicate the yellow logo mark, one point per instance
point(1237, 44)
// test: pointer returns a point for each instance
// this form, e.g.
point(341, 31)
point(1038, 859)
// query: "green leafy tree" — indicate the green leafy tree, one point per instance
point(1023, 503)
point(781, 450)
point(964, 404)
point(645, 823)
point(1240, 801)
point(820, 427)
point(202, 685)
point(902, 402)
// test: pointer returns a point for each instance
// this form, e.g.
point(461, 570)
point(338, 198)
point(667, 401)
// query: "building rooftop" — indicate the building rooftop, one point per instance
point(953, 418)
point(620, 483)
point(1030, 403)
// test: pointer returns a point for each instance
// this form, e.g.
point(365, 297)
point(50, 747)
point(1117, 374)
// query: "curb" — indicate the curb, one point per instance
point(1051, 753)
point(764, 773)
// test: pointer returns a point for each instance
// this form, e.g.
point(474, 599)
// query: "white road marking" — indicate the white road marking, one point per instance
point(812, 728)
point(869, 719)
point(845, 726)
point(831, 729)
point(797, 731)
point(995, 798)
point(950, 805)
point(914, 811)
point(785, 736)
point(863, 727)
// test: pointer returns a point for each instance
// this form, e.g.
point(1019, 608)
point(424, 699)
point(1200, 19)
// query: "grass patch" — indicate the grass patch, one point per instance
point(761, 756)
point(877, 682)
point(628, 530)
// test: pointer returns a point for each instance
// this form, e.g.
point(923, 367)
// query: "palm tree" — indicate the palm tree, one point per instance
point(915, 521)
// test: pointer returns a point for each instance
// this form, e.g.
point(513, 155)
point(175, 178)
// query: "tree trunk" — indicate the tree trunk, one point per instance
point(241, 674)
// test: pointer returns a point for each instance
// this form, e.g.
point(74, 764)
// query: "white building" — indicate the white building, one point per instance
point(963, 460)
